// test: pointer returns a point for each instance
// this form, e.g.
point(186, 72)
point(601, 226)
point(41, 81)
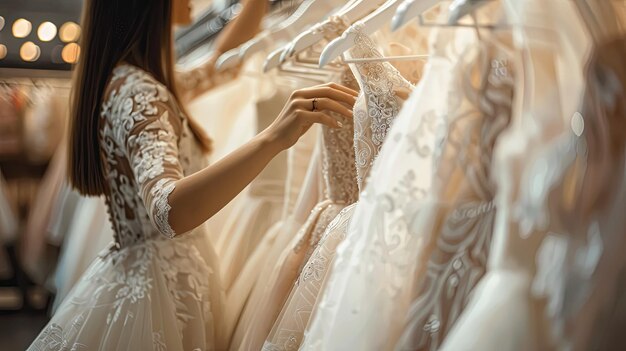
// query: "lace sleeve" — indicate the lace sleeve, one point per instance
point(152, 151)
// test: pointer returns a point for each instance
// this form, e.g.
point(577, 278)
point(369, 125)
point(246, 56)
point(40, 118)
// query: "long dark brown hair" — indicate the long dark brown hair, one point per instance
point(135, 31)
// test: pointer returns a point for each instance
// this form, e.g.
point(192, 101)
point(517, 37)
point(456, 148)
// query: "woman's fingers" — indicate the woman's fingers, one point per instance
point(343, 88)
point(332, 105)
point(328, 92)
point(320, 117)
point(325, 104)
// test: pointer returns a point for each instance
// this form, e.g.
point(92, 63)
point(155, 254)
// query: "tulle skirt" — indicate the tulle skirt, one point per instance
point(288, 330)
point(154, 295)
point(261, 312)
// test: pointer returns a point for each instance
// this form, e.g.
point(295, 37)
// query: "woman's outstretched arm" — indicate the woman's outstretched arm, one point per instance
point(177, 204)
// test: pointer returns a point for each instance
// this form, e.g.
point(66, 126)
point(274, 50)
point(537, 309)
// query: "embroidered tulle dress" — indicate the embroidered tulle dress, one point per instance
point(153, 289)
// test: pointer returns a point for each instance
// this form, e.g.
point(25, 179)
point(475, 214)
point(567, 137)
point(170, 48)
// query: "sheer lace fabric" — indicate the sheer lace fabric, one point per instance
point(249, 331)
point(376, 107)
point(147, 291)
point(340, 190)
point(375, 264)
point(458, 220)
point(336, 165)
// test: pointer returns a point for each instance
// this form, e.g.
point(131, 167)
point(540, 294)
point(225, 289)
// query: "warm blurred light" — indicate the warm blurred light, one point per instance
point(71, 53)
point(21, 28)
point(30, 52)
point(3, 51)
point(47, 31)
point(1, 22)
point(69, 32)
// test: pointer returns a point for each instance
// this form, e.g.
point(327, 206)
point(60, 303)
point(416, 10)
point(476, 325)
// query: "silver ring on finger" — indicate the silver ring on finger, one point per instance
point(314, 107)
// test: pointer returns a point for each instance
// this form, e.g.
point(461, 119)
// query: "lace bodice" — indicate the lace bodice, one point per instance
point(378, 103)
point(146, 146)
point(338, 157)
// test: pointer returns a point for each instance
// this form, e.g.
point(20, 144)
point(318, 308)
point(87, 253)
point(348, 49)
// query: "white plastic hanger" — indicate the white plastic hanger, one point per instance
point(273, 59)
point(371, 23)
point(410, 9)
point(351, 12)
point(310, 11)
point(227, 60)
point(461, 8)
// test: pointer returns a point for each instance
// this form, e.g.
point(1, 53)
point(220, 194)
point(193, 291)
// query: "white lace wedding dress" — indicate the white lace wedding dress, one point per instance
point(153, 289)
point(374, 112)
point(371, 285)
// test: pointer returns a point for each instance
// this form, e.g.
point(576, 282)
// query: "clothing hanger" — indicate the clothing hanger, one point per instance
point(204, 32)
point(273, 59)
point(473, 6)
point(370, 24)
point(410, 9)
point(308, 12)
point(350, 13)
point(461, 8)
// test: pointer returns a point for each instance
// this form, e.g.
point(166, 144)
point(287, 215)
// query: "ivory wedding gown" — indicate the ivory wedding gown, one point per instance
point(373, 279)
point(375, 109)
point(555, 280)
point(340, 190)
point(152, 289)
point(458, 216)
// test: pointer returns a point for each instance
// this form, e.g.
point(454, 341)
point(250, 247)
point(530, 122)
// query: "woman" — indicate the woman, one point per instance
point(131, 141)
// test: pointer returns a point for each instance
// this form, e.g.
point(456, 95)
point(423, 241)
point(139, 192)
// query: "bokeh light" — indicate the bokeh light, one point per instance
point(30, 52)
point(47, 31)
point(21, 28)
point(69, 32)
point(71, 53)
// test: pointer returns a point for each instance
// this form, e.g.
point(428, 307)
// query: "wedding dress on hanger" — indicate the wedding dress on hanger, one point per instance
point(340, 190)
point(457, 218)
point(371, 285)
point(282, 181)
point(151, 290)
point(277, 239)
point(230, 124)
point(261, 204)
point(581, 269)
point(553, 270)
point(377, 106)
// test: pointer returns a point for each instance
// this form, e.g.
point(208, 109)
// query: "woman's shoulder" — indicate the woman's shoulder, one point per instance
point(134, 88)
point(133, 79)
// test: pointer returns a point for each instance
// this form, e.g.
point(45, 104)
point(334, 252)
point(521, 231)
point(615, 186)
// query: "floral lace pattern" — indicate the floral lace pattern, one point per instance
point(461, 242)
point(374, 273)
point(145, 292)
point(141, 136)
point(378, 103)
point(374, 111)
point(53, 337)
point(303, 298)
point(161, 193)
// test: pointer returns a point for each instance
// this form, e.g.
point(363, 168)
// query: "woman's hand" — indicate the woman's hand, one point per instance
point(308, 106)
